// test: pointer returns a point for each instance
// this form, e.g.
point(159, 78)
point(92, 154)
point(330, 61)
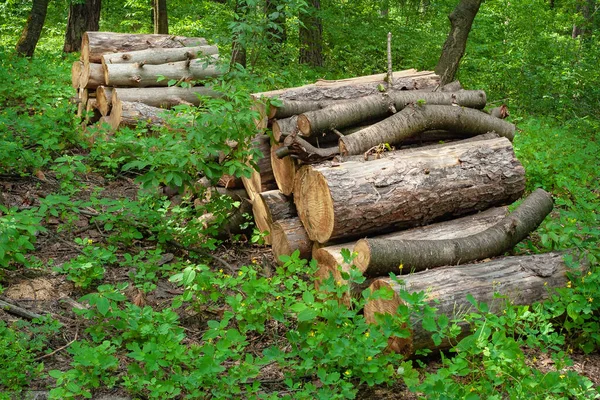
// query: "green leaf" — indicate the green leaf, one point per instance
point(307, 315)
point(103, 305)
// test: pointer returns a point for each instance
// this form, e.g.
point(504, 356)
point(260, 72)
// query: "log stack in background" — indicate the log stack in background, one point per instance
point(410, 177)
point(123, 78)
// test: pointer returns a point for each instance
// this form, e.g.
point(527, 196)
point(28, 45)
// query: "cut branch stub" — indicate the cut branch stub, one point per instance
point(379, 257)
point(380, 105)
point(406, 189)
point(416, 119)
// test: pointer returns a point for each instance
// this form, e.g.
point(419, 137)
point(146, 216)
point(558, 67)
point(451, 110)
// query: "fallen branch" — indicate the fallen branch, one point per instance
point(18, 311)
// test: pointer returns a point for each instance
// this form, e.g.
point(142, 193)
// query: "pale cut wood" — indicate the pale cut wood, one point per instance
point(104, 96)
point(76, 70)
point(166, 97)
point(406, 189)
point(522, 280)
point(92, 76)
point(130, 114)
point(260, 180)
point(284, 170)
point(92, 114)
point(288, 235)
point(82, 95)
point(95, 44)
point(278, 206)
point(159, 55)
point(138, 75)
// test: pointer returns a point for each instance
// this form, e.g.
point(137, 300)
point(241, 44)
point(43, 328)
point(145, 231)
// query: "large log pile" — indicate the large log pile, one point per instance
point(413, 179)
point(130, 77)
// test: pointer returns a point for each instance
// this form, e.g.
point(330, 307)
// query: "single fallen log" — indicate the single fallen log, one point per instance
point(95, 44)
point(522, 280)
point(130, 114)
point(381, 105)
point(379, 257)
point(18, 311)
point(262, 178)
point(288, 235)
point(329, 258)
point(415, 119)
point(406, 189)
point(159, 55)
point(284, 170)
point(141, 75)
point(166, 97)
point(92, 76)
point(104, 96)
point(353, 88)
point(76, 70)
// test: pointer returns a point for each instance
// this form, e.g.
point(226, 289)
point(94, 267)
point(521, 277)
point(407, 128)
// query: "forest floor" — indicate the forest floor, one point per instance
point(44, 291)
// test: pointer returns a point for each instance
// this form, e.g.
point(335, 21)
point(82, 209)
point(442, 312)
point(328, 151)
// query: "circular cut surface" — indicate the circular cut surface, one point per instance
point(317, 206)
point(284, 170)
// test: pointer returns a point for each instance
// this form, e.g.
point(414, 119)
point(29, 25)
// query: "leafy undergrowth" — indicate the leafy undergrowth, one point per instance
point(165, 309)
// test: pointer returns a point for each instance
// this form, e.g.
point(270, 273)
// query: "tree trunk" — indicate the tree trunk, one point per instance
point(262, 179)
point(587, 9)
point(130, 114)
point(353, 88)
point(381, 105)
point(83, 17)
point(311, 35)
point(461, 20)
point(416, 119)
point(379, 257)
point(140, 75)
point(159, 56)
point(405, 189)
point(95, 44)
point(523, 280)
point(284, 171)
point(161, 18)
point(33, 28)
point(331, 263)
point(164, 97)
point(288, 235)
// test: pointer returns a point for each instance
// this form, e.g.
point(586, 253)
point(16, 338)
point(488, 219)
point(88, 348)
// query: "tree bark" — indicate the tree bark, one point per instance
point(33, 28)
point(284, 171)
point(523, 280)
point(288, 235)
point(141, 75)
point(353, 88)
point(379, 106)
point(311, 35)
point(284, 127)
point(379, 257)
point(95, 44)
point(405, 189)
point(262, 178)
point(416, 119)
point(126, 113)
point(83, 17)
point(161, 17)
point(164, 97)
point(461, 20)
point(331, 263)
point(159, 56)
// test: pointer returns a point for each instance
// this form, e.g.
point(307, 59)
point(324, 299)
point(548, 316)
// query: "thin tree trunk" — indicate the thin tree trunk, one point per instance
point(311, 36)
point(461, 20)
point(82, 17)
point(586, 8)
point(160, 16)
point(33, 28)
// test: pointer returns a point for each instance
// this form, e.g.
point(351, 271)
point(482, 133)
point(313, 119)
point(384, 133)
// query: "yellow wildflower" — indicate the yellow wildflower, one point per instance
point(400, 267)
point(590, 299)
point(90, 241)
point(347, 372)
point(367, 334)
point(311, 334)
point(240, 273)
point(561, 376)
point(569, 284)
point(369, 358)
point(221, 270)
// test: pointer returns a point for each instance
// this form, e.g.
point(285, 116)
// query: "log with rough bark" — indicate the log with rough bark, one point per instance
point(284, 127)
point(415, 119)
point(159, 56)
point(269, 207)
point(287, 236)
point(130, 114)
point(284, 170)
point(522, 280)
point(166, 97)
point(96, 44)
point(104, 99)
point(262, 179)
point(353, 88)
point(76, 70)
point(405, 189)
point(289, 108)
point(331, 262)
point(453, 86)
point(142, 75)
point(92, 76)
point(379, 257)
point(381, 105)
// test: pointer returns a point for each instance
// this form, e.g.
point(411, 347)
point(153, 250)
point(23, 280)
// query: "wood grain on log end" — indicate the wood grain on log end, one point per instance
point(284, 170)
point(288, 235)
point(316, 205)
point(104, 97)
point(76, 71)
point(259, 210)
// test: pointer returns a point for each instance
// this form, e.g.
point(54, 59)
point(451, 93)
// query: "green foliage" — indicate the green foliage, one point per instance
point(17, 235)
point(89, 265)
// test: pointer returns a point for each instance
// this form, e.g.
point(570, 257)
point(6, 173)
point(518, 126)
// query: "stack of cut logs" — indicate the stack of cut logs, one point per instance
point(126, 78)
point(354, 164)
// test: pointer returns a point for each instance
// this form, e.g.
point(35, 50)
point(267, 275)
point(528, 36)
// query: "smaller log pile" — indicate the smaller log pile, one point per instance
point(122, 78)
point(363, 169)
